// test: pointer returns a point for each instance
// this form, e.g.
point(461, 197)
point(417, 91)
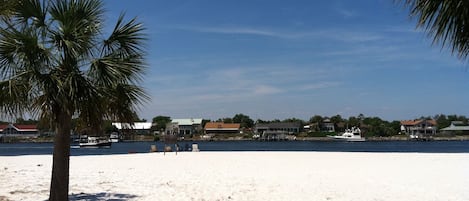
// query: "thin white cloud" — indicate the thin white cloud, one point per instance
point(237, 83)
point(338, 34)
point(319, 85)
point(236, 30)
point(266, 90)
point(346, 13)
point(248, 31)
point(351, 36)
point(401, 29)
point(353, 52)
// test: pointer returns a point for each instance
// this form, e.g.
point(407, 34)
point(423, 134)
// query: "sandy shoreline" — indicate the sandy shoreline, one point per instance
point(245, 176)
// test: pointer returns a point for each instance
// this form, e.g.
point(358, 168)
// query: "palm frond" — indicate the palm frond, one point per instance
point(445, 21)
point(15, 97)
point(123, 101)
point(7, 8)
point(126, 39)
point(79, 24)
point(30, 11)
point(110, 70)
point(20, 51)
point(122, 55)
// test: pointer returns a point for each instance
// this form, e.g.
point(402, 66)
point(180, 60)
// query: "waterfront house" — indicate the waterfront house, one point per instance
point(17, 130)
point(456, 127)
point(277, 130)
point(324, 126)
point(288, 127)
point(327, 126)
point(419, 128)
point(222, 128)
point(187, 126)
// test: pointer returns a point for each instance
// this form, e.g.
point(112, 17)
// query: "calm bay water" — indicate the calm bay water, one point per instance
point(16, 149)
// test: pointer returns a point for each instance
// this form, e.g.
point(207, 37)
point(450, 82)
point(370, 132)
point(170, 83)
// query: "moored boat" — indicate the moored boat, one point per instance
point(114, 137)
point(96, 142)
point(350, 135)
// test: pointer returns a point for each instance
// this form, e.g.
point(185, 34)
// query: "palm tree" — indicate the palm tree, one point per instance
point(6, 6)
point(445, 21)
point(56, 63)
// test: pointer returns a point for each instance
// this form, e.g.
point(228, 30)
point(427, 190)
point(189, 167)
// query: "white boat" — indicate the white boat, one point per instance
point(96, 142)
point(114, 137)
point(350, 135)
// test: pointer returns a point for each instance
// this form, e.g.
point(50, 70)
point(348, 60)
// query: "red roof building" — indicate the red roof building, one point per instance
point(419, 128)
point(18, 130)
point(220, 128)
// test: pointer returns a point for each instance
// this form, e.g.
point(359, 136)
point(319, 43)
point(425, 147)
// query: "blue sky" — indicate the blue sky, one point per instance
point(278, 59)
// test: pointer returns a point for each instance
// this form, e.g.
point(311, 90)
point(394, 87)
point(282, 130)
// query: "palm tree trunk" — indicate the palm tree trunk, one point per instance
point(61, 159)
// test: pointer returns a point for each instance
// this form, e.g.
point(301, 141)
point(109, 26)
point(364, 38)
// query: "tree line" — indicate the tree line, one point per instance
point(374, 126)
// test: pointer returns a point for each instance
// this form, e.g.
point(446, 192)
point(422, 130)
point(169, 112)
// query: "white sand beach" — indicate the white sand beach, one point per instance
point(245, 176)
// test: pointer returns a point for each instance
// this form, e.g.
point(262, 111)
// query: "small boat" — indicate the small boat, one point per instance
point(350, 135)
point(79, 138)
point(417, 137)
point(114, 137)
point(96, 142)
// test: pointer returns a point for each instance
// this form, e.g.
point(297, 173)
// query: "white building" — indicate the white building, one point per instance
point(187, 126)
point(141, 128)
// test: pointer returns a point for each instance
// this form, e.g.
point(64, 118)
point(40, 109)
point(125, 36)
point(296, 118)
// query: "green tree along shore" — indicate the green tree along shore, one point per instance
point(373, 126)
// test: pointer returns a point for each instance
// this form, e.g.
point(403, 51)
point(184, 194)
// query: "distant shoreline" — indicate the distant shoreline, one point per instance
point(374, 139)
